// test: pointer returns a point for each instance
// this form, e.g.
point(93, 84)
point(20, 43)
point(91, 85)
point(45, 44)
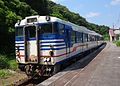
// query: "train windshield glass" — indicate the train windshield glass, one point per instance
point(19, 31)
point(31, 31)
point(48, 28)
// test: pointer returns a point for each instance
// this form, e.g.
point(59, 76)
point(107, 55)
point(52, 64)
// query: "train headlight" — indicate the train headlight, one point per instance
point(44, 59)
point(48, 18)
point(48, 59)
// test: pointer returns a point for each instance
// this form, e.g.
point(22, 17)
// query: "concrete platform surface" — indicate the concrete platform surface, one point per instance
point(103, 70)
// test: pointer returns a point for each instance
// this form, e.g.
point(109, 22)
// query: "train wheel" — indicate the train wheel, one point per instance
point(29, 70)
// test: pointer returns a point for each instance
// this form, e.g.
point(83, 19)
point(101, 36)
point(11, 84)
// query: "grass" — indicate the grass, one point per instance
point(117, 43)
point(7, 62)
point(12, 64)
point(4, 73)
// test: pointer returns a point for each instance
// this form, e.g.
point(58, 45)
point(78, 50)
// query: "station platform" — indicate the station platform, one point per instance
point(101, 69)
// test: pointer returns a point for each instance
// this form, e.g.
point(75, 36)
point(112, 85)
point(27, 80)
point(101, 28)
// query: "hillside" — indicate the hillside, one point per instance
point(12, 10)
point(47, 7)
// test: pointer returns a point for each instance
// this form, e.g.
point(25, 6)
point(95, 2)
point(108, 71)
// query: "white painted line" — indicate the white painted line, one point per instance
point(119, 57)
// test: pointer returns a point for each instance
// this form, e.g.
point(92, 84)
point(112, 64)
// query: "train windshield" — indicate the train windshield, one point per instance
point(19, 31)
point(48, 28)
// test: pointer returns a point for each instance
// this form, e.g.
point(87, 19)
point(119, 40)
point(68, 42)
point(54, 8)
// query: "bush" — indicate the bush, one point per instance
point(7, 62)
point(118, 43)
point(3, 62)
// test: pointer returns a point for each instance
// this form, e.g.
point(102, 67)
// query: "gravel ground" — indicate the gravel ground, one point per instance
point(15, 77)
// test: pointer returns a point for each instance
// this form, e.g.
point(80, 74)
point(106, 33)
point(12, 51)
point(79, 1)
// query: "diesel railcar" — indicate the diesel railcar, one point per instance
point(44, 43)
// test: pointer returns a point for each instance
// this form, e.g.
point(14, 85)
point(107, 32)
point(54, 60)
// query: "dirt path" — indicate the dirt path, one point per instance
point(15, 77)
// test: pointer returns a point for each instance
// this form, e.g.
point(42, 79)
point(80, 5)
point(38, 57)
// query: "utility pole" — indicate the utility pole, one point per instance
point(113, 25)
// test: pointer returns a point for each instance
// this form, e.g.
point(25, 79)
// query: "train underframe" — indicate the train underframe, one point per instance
point(39, 70)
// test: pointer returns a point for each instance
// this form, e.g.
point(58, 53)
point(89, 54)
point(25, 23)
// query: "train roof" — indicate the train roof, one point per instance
point(45, 19)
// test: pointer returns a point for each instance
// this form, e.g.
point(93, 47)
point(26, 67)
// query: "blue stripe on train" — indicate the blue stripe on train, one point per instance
point(42, 37)
point(50, 36)
point(19, 38)
point(20, 49)
point(53, 42)
point(19, 43)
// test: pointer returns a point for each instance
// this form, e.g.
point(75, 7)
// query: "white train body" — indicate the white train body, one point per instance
point(47, 40)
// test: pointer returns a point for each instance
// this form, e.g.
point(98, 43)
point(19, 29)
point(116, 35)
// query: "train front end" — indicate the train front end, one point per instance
point(35, 42)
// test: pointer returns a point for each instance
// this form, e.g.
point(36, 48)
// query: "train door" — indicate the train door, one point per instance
point(31, 44)
point(68, 43)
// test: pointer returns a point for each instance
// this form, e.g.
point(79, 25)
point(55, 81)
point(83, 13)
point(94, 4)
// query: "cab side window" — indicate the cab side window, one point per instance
point(61, 28)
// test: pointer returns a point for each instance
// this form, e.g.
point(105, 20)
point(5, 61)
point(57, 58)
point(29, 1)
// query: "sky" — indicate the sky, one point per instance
point(101, 12)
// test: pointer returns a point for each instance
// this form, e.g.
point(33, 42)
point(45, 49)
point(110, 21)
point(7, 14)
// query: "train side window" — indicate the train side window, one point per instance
point(91, 37)
point(79, 37)
point(98, 38)
point(88, 38)
point(85, 37)
point(73, 37)
point(61, 28)
point(95, 38)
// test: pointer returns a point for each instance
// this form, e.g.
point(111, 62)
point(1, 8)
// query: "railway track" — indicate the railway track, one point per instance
point(30, 81)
